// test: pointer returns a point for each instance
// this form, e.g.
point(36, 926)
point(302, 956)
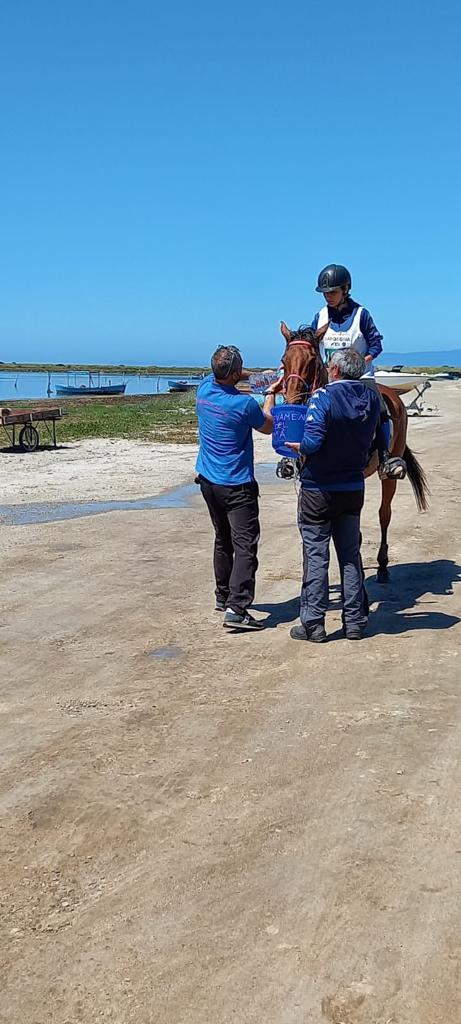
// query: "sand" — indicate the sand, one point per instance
point(199, 828)
point(100, 469)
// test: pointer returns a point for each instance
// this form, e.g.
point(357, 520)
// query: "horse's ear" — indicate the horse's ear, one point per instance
point(285, 331)
point(319, 334)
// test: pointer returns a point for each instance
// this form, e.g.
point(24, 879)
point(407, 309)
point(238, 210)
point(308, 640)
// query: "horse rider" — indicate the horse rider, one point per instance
point(350, 325)
point(340, 423)
point(225, 468)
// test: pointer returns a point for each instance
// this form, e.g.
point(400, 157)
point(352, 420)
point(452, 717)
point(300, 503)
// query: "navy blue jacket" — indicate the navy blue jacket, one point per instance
point(340, 425)
point(342, 319)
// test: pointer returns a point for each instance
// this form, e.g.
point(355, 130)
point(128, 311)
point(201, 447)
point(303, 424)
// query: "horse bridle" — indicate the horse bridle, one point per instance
point(296, 376)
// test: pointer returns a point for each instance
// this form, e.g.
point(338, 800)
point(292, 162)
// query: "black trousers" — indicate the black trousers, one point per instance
point(234, 512)
point(322, 517)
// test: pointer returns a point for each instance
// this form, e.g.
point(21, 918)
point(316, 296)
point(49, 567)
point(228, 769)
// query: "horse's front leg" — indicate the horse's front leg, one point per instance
point(388, 488)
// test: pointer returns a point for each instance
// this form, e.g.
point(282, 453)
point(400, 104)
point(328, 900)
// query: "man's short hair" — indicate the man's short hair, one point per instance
point(350, 363)
point(226, 360)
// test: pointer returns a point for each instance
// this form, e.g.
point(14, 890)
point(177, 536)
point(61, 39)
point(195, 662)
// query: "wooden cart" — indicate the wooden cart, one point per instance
point(29, 437)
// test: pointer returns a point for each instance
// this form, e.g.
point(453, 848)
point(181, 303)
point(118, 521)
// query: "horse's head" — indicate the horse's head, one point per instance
point(303, 368)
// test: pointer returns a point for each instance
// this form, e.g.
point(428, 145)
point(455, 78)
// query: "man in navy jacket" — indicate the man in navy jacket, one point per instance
point(341, 422)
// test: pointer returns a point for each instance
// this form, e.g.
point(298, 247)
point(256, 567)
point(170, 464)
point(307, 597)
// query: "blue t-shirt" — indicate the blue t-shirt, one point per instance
point(225, 420)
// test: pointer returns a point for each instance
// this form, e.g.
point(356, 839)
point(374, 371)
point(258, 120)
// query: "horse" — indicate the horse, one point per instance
point(304, 372)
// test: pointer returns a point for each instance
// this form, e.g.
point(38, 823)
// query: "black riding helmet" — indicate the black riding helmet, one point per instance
point(333, 276)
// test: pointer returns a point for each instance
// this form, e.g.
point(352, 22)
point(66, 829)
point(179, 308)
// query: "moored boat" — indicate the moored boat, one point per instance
point(81, 389)
point(183, 385)
point(400, 382)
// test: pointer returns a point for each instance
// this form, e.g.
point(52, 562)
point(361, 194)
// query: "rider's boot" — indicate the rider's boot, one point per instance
point(390, 467)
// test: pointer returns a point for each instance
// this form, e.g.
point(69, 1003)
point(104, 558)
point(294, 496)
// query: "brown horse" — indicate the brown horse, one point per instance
point(304, 371)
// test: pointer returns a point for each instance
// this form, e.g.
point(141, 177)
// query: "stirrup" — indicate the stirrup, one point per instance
point(285, 469)
point(392, 468)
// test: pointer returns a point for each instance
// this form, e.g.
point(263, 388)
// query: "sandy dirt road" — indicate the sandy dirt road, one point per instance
point(199, 828)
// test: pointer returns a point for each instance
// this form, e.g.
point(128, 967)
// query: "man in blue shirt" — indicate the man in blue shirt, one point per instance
point(340, 425)
point(225, 467)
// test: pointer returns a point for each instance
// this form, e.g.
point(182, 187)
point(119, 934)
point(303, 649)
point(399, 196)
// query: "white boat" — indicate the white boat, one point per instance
point(448, 375)
point(401, 382)
point(183, 385)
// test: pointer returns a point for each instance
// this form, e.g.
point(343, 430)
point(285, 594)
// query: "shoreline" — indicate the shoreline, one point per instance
point(175, 371)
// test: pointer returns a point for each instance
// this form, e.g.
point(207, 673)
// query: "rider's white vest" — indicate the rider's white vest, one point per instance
point(333, 341)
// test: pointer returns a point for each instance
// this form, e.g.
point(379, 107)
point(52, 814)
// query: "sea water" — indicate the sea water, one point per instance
point(14, 386)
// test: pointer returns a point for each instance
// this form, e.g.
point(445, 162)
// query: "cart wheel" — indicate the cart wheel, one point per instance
point(28, 438)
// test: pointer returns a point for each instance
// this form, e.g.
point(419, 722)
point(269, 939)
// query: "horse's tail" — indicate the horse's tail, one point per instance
point(418, 479)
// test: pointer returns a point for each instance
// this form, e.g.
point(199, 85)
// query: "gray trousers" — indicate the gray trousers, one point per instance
point(323, 515)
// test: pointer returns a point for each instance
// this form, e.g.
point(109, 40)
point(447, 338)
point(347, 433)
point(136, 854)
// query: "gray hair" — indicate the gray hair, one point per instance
point(226, 360)
point(350, 363)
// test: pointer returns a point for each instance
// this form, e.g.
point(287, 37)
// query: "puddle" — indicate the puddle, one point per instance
point(166, 653)
point(51, 512)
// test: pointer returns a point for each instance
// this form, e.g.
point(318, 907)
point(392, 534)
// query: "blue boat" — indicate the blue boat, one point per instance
point(81, 389)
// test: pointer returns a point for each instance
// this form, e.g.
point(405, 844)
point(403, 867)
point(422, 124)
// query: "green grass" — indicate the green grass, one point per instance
point(168, 418)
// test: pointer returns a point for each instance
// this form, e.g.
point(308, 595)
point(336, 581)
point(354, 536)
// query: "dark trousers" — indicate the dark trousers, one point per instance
point(234, 512)
point(324, 515)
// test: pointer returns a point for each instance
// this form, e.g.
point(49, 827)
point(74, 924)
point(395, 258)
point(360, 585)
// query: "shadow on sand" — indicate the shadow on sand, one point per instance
point(397, 606)
point(9, 450)
point(285, 611)
point(400, 603)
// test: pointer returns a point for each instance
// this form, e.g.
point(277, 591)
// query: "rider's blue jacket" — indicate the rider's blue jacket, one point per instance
point(341, 421)
point(341, 320)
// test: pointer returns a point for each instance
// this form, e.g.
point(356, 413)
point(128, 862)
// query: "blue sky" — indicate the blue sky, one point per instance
point(174, 177)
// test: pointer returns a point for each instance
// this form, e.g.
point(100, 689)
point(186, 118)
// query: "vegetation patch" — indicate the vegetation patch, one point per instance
point(168, 418)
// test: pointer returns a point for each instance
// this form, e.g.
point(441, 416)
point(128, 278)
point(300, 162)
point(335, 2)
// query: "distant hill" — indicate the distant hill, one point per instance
point(432, 357)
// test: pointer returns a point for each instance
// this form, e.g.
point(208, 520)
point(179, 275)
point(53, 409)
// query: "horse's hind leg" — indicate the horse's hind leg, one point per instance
point(387, 493)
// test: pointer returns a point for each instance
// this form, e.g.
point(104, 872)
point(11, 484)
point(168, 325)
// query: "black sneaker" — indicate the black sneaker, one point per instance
point(316, 634)
point(354, 632)
point(220, 605)
point(232, 620)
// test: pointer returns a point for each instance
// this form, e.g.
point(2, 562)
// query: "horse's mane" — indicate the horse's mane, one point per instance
point(318, 368)
point(304, 333)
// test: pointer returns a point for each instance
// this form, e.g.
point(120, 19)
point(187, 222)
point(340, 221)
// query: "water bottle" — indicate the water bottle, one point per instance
point(259, 382)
